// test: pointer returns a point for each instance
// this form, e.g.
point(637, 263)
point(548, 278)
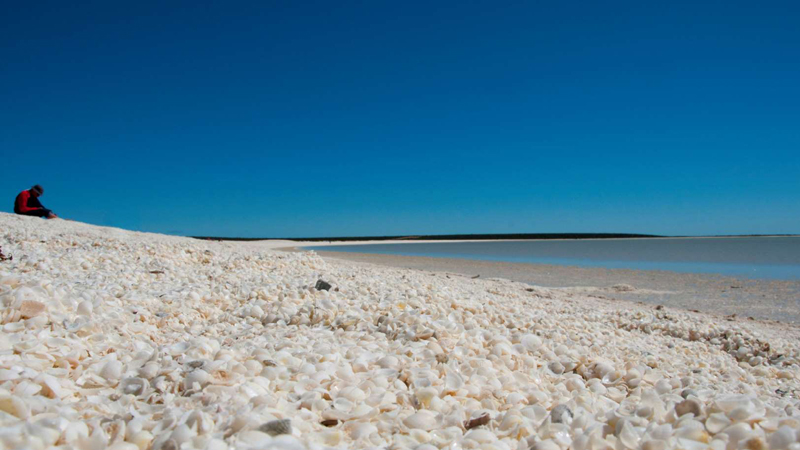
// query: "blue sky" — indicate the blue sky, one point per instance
point(382, 118)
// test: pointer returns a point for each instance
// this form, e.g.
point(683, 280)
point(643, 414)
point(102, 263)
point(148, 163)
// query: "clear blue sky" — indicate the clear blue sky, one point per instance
point(372, 118)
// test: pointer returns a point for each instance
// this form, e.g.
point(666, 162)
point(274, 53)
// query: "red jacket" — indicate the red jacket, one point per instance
point(27, 203)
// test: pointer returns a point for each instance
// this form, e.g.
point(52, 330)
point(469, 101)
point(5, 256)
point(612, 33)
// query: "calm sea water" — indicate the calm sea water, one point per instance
point(757, 257)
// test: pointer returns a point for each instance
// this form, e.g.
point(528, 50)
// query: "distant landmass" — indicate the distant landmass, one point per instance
point(478, 237)
point(449, 237)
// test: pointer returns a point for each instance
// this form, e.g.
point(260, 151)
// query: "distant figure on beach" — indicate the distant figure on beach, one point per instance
point(27, 203)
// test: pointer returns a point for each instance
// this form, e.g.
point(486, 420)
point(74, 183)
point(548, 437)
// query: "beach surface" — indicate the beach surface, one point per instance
point(763, 299)
point(125, 340)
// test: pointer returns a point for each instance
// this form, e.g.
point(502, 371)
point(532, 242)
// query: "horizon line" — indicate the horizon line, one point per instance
point(489, 236)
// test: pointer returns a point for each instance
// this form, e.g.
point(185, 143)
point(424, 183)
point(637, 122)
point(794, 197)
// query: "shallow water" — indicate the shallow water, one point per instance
point(749, 257)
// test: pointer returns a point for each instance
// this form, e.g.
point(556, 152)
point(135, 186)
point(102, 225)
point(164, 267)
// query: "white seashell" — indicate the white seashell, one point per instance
point(426, 395)
point(782, 438)
point(360, 430)
point(85, 308)
point(14, 406)
point(717, 422)
point(8, 375)
point(112, 370)
point(628, 436)
point(149, 370)
point(738, 432)
point(133, 386)
point(200, 422)
point(181, 434)
point(689, 444)
point(215, 444)
point(423, 420)
point(531, 342)
point(388, 362)
point(51, 387)
point(453, 382)
point(123, 446)
point(253, 439)
point(480, 435)
point(547, 444)
point(197, 377)
point(329, 438)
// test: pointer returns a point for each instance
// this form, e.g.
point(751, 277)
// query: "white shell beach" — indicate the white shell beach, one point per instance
point(127, 340)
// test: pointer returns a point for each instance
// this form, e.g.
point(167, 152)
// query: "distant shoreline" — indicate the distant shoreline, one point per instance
point(486, 237)
point(719, 295)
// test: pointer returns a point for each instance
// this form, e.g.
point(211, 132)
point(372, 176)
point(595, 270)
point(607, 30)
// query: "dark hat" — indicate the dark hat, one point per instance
point(38, 188)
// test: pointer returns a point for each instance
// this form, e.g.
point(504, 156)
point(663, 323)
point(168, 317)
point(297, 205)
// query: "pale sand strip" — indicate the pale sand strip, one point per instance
point(777, 300)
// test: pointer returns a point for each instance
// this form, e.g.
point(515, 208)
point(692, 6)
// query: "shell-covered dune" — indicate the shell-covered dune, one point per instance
point(116, 339)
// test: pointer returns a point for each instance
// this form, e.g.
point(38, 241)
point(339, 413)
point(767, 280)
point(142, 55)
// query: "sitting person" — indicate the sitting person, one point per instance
point(27, 204)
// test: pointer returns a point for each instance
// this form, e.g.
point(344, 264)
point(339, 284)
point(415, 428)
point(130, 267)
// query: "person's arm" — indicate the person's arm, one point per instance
point(22, 204)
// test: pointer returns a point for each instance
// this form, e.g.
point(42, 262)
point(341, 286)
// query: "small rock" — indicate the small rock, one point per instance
point(476, 422)
point(322, 285)
point(561, 414)
point(277, 427)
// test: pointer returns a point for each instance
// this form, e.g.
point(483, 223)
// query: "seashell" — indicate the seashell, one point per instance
point(717, 422)
point(654, 445)
point(531, 342)
point(31, 308)
point(85, 308)
point(547, 444)
point(14, 406)
point(755, 443)
point(149, 370)
point(181, 434)
point(133, 386)
point(51, 387)
point(556, 367)
point(628, 436)
point(453, 382)
point(200, 422)
point(253, 439)
point(8, 375)
point(277, 427)
point(329, 438)
point(388, 362)
point(423, 420)
point(782, 438)
point(689, 406)
point(123, 446)
point(112, 370)
point(215, 444)
point(480, 435)
point(360, 430)
point(425, 395)
point(738, 432)
point(197, 377)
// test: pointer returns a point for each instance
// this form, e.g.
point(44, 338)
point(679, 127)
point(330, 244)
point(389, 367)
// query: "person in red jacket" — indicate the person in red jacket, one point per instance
point(27, 204)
